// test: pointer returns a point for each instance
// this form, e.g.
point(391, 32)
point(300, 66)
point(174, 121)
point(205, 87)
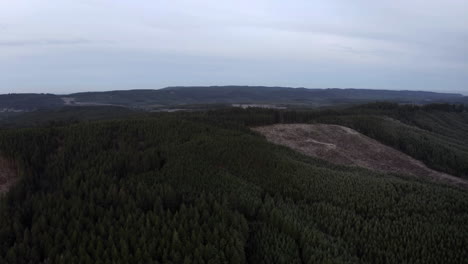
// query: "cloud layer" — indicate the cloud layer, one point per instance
point(69, 45)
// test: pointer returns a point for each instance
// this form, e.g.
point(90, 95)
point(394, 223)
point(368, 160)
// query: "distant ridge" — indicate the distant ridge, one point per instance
point(186, 95)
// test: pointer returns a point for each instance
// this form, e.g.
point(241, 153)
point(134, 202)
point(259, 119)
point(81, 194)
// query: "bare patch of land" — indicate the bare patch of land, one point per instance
point(72, 101)
point(265, 106)
point(345, 146)
point(8, 174)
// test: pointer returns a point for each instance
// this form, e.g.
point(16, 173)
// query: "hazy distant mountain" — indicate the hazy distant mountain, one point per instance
point(172, 96)
point(28, 102)
point(255, 94)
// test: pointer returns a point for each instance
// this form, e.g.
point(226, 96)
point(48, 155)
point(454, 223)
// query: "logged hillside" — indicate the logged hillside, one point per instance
point(345, 146)
point(435, 134)
point(186, 188)
point(8, 174)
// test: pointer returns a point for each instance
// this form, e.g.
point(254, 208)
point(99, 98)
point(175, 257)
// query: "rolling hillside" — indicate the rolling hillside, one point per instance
point(202, 187)
point(257, 94)
point(28, 102)
point(345, 146)
point(227, 95)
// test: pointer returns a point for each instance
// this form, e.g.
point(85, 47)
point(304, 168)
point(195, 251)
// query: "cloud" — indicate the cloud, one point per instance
point(44, 42)
point(349, 43)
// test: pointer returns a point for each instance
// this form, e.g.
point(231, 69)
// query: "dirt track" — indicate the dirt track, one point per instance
point(345, 146)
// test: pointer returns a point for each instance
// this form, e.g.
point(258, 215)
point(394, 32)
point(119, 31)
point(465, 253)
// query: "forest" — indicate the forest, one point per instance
point(201, 187)
point(183, 96)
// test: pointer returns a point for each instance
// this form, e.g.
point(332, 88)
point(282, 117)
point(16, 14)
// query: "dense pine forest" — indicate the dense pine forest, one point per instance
point(201, 187)
point(436, 134)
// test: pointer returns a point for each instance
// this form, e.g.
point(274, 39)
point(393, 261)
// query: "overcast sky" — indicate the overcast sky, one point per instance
point(63, 46)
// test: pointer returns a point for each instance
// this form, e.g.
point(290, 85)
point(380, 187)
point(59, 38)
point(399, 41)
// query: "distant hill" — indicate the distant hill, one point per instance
point(176, 96)
point(64, 115)
point(28, 102)
point(257, 94)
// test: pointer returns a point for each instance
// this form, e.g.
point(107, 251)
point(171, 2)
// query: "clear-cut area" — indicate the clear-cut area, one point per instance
point(8, 174)
point(345, 146)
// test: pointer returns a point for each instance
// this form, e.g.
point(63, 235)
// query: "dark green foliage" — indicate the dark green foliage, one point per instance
point(436, 134)
point(184, 188)
point(64, 116)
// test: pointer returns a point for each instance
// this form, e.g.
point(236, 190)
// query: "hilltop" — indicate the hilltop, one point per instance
point(180, 96)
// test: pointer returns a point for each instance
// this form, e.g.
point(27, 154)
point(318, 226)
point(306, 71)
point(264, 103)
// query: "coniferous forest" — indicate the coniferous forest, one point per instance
point(201, 187)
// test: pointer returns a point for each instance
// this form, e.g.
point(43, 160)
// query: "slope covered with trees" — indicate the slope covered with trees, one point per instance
point(186, 96)
point(64, 115)
point(203, 188)
point(436, 134)
point(29, 102)
point(259, 94)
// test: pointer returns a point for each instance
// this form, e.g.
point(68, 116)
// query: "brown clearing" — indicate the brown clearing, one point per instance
point(345, 146)
point(8, 175)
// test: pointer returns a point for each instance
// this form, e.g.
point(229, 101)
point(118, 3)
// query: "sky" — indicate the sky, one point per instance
point(64, 46)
